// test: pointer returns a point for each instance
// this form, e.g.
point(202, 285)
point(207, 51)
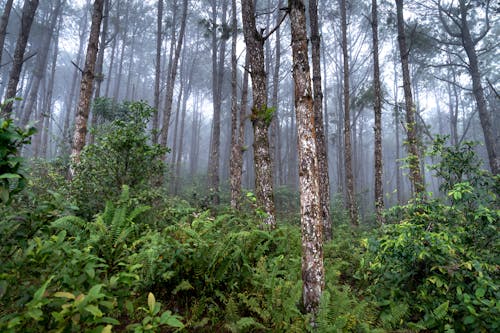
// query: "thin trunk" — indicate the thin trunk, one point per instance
point(4, 22)
point(28, 15)
point(377, 109)
point(171, 79)
point(261, 114)
point(275, 125)
point(478, 91)
point(321, 143)
point(83, 110)
point(236, 149)
point(411, 125)
point(313, 274)
point(351, 197)
point(159, 40)
point(41, 64)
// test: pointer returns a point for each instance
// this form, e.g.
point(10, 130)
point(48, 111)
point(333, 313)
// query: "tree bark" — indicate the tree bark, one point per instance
point(377, 109)
point(351, 196)
point(82, 113)
point(313, 275)
point(28, 15)
point(321, 142)
point(4, 22)
point(159, 40)
point(167, 112)
point(469, 43)
point(261, 115)
point(235, 159)
point(411, 125)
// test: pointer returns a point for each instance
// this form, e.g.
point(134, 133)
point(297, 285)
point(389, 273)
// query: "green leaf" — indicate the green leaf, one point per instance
point(39, 293)
point(9, 176)
point(94, 310)
point(441, 310)
point(151, 302)
point(480, 292)
point(171, 320)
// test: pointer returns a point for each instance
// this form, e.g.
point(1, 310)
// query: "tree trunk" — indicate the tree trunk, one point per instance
point(477, 90)
point(236, 149)
point(41, 64)
point(321, 143)
point(28, 15)
point(351, 197)
point(261, 114)
point(411, 125)
point(4, 22)
point(167, 112)
point(159, 40)
point(82, 113)
point(313, 274)
point(377, 109)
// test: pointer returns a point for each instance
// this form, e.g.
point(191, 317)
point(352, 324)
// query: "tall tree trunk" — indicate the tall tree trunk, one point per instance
point(28, 15)
point(167, 112)
point(218, 60)
point(236, 149)
point(321, 143)
point(41, 64)
point(4, 22)
point(275, 124)
point(50, 91)
point(351, 196)
point(313, 274)
point(159, 40)
point(69, 114)
point(261, 114)
point(99, 76)
point(82, 113)
point(478, 91)
point(411, 124)
point(377, 109)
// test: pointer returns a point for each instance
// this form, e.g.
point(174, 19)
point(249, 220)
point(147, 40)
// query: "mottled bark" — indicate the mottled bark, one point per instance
point(28, 15)
point(411, 125)
point(82, 113)
point(235, 160)
point(349, 175)
point(167, 112)
point(159, 40)
point(261, 114)
point(275, 125)
point(377, 109)
point(313, 275)
point(4, 22)
point(321, 142)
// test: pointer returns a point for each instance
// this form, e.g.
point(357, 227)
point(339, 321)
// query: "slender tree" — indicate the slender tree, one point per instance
point(261, 114)
point(411, 125)
point(321, 142)
point(159, 40)
point(456, 23)
point(83, 110)
point(167, 112)
point(4, 22)
point(28, 15)
point(377, 109)
point(351, 196)
point(235, 160)
point(313, 275)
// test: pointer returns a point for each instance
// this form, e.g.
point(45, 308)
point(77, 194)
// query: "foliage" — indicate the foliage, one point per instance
point(121, 156)
point(12, 138)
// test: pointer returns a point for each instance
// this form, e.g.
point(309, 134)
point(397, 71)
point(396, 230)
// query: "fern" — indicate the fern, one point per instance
point(74, 226)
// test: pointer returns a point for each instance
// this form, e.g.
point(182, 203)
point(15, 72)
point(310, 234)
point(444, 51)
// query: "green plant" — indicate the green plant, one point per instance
point(122, 155)
point(154, 319)
point(12, 138)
